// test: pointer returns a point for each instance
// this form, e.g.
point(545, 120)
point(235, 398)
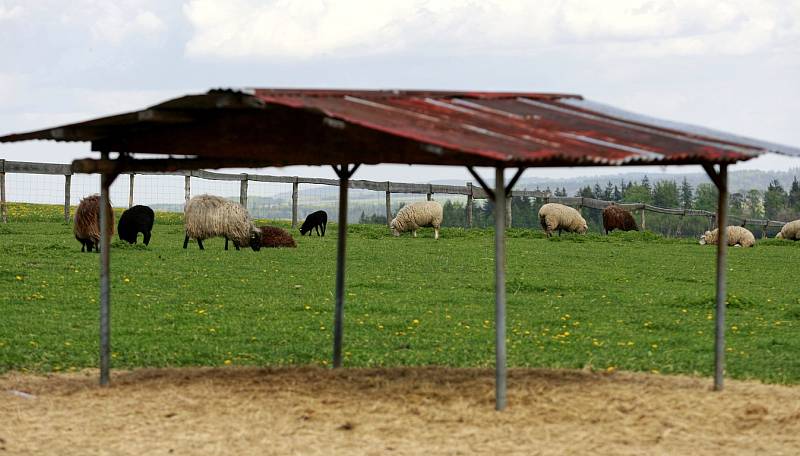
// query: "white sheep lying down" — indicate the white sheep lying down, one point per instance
point(737, 235)
point(554, 216)
point(210, 216)
point(417, 215)
point(790, 231)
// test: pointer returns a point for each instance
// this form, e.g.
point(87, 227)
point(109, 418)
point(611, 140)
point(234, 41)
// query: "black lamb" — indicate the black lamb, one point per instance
point(315, 220)
point(138, 219)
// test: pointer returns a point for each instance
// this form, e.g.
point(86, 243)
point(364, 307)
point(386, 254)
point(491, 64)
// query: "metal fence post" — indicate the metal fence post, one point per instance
point(243, 191)
point(130, 190)
point(388, 204)
point(67, 190)
point(470, 202)
point(295, 191)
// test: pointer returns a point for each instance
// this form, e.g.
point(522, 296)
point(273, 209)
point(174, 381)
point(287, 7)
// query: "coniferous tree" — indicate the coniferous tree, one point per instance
point(794, 196)
point(775, 200)
point(665, 194)
point(597, 192)
point(686, 194)
point(706, 197)
point(646, 183)
point(617, 195)
point(608, 193)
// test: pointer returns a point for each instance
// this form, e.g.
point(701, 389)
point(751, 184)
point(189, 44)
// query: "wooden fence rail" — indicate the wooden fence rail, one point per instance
point(469, 190)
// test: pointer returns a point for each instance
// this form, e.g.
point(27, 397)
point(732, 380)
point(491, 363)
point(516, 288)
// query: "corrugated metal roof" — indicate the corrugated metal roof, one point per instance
point(286, 126)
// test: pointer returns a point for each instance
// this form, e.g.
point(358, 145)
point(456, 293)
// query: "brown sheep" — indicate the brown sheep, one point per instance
point(272, 236)
point(87, 223)
point(617, 218)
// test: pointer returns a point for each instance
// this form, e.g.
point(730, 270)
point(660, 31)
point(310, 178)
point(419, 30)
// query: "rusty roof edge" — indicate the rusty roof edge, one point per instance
point(699, 130)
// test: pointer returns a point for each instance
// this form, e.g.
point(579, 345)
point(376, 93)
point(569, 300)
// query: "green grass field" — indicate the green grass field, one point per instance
point(630, 301)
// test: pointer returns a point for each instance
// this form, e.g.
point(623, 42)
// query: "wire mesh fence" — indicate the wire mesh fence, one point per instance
point(293, 198)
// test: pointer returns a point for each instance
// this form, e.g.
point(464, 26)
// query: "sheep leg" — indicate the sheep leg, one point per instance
point(236, 244)
point(316, 228)
point(324, 225)
point(435, 233)
point(186, 241)
point(146, 237)
point(414, 232)
point(200, 244)
point(226, 243)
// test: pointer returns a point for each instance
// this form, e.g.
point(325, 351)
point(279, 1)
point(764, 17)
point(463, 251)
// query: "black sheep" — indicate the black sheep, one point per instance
point(315, 220)
point(138, 219)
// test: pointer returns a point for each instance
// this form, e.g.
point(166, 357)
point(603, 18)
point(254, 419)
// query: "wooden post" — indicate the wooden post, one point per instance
point(130, 191)
point(295, 191)
point(644, 209)
point(388, 204)
point(187, 188)
point(67, 188)
point(764, 230)
point(3, 212)
point(509, 201)
point(243, 191)
point(469, 204)
point(430, 196)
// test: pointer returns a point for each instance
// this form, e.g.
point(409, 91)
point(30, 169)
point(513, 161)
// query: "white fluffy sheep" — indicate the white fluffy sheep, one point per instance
point(554, 216)
point(790, 231)
point(416, 215)
point(209, 216)
point(737, 235)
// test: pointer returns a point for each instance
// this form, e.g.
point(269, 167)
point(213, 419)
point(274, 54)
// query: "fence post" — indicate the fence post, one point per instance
point(430, 192)
point(67, 189)
point(243, 191)
point(3, 213)
point(295, 191)
point(764, 230)
point(469, 204)
point(644, 209)
point(509, 201)
point(130, 191)
point(187, 187)
point(388, 204)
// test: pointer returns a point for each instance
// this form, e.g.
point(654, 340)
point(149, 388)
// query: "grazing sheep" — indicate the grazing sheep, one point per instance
point(554, 216)
point(737, 235)
point(209, 216)
point(87, 223)
point(315, 220)
point(617, 218)
point(138, 219)
point(416, 215)
point(272, 236)
point(790, 231)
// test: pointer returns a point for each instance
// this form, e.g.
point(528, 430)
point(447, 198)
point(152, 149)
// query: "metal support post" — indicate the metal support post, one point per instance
point(469, 204)
point(338, 318)
point(105, 282)
point(500, 289)
point(388, 204)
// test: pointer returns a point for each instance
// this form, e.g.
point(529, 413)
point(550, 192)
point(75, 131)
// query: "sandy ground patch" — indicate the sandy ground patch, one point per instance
point(392, 411)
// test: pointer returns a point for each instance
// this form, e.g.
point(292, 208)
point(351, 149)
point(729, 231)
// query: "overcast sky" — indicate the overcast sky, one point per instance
point(732, 65)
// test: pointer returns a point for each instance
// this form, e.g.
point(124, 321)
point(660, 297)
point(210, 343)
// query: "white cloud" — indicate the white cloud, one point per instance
point(10, 12)
point(304, 29)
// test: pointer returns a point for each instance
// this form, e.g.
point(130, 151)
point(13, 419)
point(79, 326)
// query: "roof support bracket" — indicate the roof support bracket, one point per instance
point(482, 183)
point(344, 171)
point(514, 180)
point(488, 190)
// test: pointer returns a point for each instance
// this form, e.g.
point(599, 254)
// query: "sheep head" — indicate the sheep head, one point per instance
point(704, 236)
point(255, 239)
point(583, 229)
point(395, 228)
point(779, 236)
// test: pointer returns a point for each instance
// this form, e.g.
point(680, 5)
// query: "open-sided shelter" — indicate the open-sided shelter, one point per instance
point(347, 128)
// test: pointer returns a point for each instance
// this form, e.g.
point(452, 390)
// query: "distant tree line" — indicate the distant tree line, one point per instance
point(773, 203)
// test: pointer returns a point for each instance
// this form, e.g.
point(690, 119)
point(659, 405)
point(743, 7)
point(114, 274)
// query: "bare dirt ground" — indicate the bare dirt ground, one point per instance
point(392, 411)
